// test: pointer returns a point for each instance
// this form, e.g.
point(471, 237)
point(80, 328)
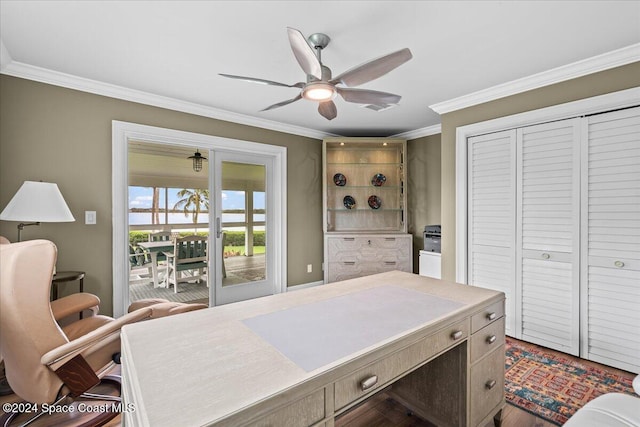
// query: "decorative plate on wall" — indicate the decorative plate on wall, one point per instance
point(349, 202)
point(339, 179)
point(378, 179)
point(375, 202)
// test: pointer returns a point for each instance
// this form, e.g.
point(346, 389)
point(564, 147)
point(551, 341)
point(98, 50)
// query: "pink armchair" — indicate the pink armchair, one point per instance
point(47, 363)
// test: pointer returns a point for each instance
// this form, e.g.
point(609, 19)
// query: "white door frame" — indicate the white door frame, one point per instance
point(123, 132)
point(611, 101)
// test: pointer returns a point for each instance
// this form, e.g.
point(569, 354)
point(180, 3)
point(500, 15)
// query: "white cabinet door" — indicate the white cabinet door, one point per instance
point(611, 240)
point(491, 204)
point(548, 232)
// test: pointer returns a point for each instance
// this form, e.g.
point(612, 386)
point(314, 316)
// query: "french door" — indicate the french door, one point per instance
point(261, 221)
point(243, 227)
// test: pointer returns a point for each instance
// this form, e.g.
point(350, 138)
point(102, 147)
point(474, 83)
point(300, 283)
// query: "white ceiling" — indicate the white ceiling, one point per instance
point(169, 53)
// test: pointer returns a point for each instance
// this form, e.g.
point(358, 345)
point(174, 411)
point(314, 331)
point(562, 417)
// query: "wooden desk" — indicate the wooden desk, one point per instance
point(218, 367)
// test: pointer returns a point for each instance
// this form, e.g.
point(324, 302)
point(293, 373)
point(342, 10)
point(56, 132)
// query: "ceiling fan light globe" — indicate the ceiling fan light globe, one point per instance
point(319, 91)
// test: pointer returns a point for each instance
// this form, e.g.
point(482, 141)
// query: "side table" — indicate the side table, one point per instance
point(66, 276)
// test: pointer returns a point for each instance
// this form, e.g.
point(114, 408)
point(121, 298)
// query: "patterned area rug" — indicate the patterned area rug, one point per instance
point(554, 387)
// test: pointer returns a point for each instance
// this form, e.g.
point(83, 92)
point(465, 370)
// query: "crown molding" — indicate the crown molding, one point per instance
point(419, 133)
point(43, 75)
point(615, 58)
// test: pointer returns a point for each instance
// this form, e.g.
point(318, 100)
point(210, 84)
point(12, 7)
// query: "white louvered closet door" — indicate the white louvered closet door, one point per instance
point(491, 204)
point(548, 235)
point(611, 240)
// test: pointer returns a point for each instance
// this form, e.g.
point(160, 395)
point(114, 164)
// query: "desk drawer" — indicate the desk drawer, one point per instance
point(487, 315)
point(487, 339)
point(380, 373)
point(304, 412)
point(487, 385)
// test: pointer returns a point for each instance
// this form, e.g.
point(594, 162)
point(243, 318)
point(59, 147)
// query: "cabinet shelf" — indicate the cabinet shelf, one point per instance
point(345, 210)
point(360, 164)
point(360, 160)
point(370, 187)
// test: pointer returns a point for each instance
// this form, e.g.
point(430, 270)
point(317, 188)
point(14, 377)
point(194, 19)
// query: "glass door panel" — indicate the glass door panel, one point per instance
point(242, 224)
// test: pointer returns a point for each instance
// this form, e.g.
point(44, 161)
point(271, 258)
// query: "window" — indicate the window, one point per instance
point(161, 205)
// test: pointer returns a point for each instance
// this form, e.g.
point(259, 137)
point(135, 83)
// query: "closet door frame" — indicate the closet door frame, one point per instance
point(597, 104)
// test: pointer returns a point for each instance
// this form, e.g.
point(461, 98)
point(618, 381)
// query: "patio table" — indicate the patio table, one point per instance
point(154, 248)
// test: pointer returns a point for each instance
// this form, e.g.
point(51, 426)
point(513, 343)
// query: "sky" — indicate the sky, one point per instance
point(141, 197)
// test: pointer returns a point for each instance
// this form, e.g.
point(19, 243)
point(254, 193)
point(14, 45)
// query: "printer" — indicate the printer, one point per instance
point(432, 235)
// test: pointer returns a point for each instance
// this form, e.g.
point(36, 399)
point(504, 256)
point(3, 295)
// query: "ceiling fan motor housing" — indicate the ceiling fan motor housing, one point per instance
point(318, 40)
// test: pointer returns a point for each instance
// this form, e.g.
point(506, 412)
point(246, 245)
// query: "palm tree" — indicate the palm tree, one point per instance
point(193, 202)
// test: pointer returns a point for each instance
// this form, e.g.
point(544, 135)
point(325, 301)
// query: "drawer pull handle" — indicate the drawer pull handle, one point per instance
point(390, 263)
point(491, 339)
point(367, 383)
point(349, 239)
point(349, 263)
point(619, 264)
point(456, 335)
point(490, 384)
point(390, 239)
point(491, 316)
point(546, 256)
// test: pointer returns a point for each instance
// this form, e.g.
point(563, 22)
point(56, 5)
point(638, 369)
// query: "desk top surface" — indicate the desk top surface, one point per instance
point(203, 366)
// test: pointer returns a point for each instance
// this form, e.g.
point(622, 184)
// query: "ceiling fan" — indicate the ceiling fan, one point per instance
point(321, 87)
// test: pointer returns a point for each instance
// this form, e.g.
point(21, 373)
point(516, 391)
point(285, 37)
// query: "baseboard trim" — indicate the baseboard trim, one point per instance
point(304, 286)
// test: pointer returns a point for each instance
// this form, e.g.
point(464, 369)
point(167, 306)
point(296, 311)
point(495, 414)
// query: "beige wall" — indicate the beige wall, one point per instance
point(613, 80)
point(423, 188)
point(60, 135)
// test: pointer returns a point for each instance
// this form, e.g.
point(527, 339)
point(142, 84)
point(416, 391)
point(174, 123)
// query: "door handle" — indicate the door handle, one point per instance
point(218, 227)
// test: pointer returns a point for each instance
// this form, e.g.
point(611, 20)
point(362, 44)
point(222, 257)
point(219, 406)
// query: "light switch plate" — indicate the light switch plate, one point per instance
point(90, 217)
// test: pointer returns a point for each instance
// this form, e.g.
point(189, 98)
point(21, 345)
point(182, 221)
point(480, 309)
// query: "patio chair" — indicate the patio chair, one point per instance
point(188, 257)
point(139, 266)
point(160, 236)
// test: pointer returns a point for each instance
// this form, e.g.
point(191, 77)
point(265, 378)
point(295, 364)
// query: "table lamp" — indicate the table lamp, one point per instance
point(37, 202)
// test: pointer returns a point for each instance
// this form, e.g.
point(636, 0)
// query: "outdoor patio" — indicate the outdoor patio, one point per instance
point(240, 269)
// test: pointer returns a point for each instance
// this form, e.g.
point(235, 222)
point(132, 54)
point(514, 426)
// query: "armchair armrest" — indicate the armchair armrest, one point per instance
point(85, 344)
point(74, 303)
point(170, 256)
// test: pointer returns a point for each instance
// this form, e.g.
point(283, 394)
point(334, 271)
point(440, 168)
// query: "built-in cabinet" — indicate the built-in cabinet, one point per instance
point(364, 199)
point(554, 222)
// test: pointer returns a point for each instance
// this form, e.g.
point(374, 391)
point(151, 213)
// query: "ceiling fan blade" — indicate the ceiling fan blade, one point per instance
point(328, 110)
point(365, 96)
point(283, 103)
point(373, 69)
point(261, 81)
point(304, 53)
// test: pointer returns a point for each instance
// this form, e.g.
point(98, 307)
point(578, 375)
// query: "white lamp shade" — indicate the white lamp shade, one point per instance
point(38, 202)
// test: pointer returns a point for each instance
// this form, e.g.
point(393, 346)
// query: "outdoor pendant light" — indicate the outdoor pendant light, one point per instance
point(197, 161)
